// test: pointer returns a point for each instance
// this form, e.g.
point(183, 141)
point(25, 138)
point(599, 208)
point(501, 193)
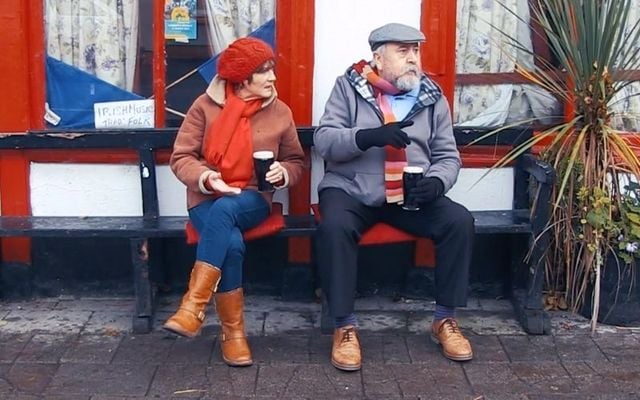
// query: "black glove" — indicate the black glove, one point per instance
point(389, 134)
point(427, 190)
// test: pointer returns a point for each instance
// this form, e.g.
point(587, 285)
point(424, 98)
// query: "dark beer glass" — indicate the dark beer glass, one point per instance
point(410, 177)
point(262, 160)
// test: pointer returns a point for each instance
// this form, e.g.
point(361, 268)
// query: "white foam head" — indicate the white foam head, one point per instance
point(263, 154)
point(413, 170)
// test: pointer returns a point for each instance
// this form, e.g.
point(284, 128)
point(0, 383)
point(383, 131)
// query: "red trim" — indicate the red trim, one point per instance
point(106, 156)
point(159, 66)
point(438, 22)
point(36, 55)
point(295, 31)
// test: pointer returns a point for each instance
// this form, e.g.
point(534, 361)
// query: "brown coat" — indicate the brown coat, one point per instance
point(273, 129)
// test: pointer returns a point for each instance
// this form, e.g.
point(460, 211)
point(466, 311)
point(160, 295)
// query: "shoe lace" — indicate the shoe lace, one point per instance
point(348, 335)
point(451, 326)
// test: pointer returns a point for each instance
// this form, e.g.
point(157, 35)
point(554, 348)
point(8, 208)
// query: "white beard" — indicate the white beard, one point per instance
point(407, 82)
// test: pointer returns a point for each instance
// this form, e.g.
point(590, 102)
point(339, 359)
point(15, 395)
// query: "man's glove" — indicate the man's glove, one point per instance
point(390, 134)
point(427, 190)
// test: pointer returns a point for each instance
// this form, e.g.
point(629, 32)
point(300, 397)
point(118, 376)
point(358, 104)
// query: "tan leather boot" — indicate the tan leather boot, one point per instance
point(203, 282)
point(233, 339)
point(454, 345)
point(345, 354)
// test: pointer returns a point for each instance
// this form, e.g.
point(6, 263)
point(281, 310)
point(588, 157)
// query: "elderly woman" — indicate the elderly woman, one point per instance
point(212, 155)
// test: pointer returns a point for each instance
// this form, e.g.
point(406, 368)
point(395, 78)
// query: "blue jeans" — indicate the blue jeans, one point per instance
point(220, 223)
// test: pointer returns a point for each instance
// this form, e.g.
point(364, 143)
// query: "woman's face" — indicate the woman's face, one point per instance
point(261, 84)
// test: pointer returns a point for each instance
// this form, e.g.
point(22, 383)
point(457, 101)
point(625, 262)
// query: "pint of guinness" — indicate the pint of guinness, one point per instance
point(410, 177)
point(262, 160)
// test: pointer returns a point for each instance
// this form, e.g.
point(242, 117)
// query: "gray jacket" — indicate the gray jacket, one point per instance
point(351, 107)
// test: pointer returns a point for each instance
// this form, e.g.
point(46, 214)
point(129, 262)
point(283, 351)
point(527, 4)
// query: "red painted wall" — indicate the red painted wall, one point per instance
point(21, 105)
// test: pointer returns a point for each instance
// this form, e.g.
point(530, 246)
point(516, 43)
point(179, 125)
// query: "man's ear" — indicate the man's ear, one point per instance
point(377, 60)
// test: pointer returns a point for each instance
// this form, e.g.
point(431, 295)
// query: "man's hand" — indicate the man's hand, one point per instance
point(389, 134)
point(275, 175)
point(216, 184)
point(427, 190)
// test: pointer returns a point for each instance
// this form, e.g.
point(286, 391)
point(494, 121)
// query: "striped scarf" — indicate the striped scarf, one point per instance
point(395, 159)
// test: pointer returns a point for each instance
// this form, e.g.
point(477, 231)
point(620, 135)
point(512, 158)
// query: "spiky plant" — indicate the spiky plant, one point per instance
point(597, 50)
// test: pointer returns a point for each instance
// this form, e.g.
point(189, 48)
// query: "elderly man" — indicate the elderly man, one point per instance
point(382, 115)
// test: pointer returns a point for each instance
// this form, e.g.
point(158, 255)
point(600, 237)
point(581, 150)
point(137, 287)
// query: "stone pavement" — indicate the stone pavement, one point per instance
point(72, 349)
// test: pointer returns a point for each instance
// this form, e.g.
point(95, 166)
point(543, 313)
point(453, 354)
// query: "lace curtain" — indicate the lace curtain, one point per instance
point(479, 50)
point(96, 36)
point(626, 104)
point(229, 20)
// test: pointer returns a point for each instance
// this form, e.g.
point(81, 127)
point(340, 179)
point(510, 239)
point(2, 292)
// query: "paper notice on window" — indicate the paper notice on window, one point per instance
point(124, 114)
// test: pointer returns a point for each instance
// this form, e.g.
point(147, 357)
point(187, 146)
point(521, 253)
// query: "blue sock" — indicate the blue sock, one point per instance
point(443, 312)
point(340, 322)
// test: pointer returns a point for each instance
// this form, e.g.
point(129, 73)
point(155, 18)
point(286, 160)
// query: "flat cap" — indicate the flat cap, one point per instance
point(394, 32)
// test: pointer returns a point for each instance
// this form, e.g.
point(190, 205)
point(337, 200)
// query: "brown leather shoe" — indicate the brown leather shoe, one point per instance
point(345, 354)
point(454, 345)
point(188, 320)
point(233, 339)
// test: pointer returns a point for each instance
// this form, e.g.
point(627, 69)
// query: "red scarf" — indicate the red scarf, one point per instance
point(395, 159)
point(228, 144)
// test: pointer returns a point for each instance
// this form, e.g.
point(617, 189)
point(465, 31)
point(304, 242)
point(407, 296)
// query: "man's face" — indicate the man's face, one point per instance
point(399, 63)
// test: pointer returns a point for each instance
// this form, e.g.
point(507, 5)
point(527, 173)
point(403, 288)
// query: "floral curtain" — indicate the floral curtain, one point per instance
point(232, 19)
point(97, 36)
point(480, 50)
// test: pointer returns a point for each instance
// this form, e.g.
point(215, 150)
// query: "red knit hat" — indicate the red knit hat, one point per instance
point(242, 58)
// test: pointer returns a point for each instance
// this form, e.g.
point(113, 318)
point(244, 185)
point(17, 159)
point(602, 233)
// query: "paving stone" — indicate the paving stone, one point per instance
point(49, 321)
point(424, 380)
point(114, 304)
point(92, 349)
point(314, 381)
point(198, 380)
point(277, 322)
point(30, 378)
point(383, 348)
point(5, 383)
point(381, 321)
point(108, 323)
point(578, 348)
point(493, 378)
point(494, 305)
point(619, 346)
point(530, 348)
point(544, 377)
point(423, 350)
point(487, 348)
point(11, 345)
point(144, 349)
point(320, 348)
point(94, 379)
point(45, 348)
point(489, 323)
point(192, 350)
point(289, 349)
point(591, 378)
point(274, 379)
point(379, 382)
point(404, 305)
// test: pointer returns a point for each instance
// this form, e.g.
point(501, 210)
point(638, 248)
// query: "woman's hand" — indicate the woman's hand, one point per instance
point(216, 184)
point(275, 175)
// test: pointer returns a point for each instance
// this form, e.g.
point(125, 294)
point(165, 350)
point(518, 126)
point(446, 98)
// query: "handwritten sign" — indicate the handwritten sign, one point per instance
point(124, 114)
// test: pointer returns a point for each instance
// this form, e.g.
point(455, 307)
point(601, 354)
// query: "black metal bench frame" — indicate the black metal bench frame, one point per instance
point(517, 221)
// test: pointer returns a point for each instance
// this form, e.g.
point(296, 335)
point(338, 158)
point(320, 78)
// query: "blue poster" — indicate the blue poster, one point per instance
point(180, 20)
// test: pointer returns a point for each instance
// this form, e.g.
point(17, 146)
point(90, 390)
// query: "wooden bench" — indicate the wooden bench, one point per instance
point(139, 229)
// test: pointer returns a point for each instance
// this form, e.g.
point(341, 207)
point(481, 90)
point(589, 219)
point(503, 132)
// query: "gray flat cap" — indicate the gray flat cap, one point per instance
point(394, 32)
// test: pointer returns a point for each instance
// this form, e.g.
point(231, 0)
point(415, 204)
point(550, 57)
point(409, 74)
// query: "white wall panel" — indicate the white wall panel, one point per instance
point(341, 31)
point(492, 192)
point(172, 195)
point(59, 189)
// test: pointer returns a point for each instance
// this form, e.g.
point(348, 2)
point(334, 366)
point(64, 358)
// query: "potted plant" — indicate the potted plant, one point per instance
point(595, 220)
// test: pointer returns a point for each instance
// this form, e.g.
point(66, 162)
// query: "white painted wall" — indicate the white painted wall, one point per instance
point(59, 189)
point(341, 31)
point(477, 192)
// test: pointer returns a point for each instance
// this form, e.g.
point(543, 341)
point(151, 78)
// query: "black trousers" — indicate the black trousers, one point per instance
point(345, 219)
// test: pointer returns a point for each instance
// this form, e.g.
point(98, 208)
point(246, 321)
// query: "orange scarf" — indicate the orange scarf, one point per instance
point(228, 144)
